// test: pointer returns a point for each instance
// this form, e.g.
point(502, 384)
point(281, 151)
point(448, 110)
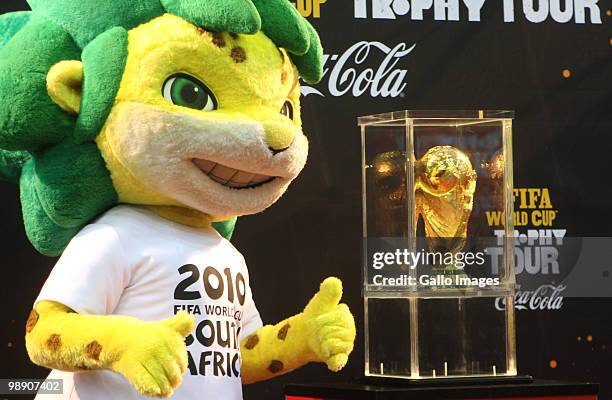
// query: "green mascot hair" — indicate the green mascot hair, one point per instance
point(63, 178)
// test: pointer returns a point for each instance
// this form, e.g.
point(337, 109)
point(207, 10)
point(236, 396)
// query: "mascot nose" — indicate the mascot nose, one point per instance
point(279, 135)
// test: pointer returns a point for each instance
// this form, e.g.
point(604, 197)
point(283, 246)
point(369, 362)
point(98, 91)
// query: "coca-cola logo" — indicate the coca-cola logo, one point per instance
point(546, 297)
point(352, 73)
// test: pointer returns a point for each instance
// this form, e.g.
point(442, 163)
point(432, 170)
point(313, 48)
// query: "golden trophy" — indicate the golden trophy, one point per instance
point(445, 183)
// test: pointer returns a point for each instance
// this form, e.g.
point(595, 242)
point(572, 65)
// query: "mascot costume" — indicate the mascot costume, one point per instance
point(138, 130)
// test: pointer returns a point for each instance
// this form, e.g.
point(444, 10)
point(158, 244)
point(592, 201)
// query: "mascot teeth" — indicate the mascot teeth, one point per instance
point(231, 177)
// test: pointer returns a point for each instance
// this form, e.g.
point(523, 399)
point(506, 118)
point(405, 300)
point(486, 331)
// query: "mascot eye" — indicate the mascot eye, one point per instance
point(287, 110)
point(186, 91)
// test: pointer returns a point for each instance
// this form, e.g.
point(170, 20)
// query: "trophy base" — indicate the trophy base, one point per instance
point(439, 382)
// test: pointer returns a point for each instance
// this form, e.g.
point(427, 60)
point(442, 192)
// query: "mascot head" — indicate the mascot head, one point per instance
point(189, 106)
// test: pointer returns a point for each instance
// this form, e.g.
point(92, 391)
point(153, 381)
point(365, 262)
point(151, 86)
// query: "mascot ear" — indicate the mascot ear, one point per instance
point(65, 85)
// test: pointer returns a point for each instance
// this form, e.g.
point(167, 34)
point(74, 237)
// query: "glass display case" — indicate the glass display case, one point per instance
point(438, 244)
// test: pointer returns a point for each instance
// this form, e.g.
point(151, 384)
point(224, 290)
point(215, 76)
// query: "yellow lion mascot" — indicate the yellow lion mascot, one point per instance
point(138, 130)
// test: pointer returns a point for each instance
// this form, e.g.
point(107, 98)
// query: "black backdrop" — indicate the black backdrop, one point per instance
point(555, 75)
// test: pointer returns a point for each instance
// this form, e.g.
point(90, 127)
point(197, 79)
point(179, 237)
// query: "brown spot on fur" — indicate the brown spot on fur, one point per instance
point(282, 333)
point(201, 30)
point(275, 366)
point(54, 342)
point(238, 54)
point(283, 76)
point(218, 39)
point(32, 320)
point(234, 35)
point(251, 342)
point(93, 350)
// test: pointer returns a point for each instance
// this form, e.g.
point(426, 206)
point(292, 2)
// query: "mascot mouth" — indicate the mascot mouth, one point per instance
point(231, 177)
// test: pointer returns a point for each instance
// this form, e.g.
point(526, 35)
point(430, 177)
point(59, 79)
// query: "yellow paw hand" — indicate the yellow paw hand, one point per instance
point(331, 326)
point(154, 356)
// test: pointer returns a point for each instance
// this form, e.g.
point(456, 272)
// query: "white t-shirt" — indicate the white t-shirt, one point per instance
point(135, 263)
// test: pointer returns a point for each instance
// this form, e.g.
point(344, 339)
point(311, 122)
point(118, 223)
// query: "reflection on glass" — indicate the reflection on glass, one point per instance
point(390, 204)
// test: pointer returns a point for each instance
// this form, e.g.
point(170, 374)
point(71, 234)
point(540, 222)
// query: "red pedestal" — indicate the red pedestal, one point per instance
point(585, 397)
point(536, 390)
